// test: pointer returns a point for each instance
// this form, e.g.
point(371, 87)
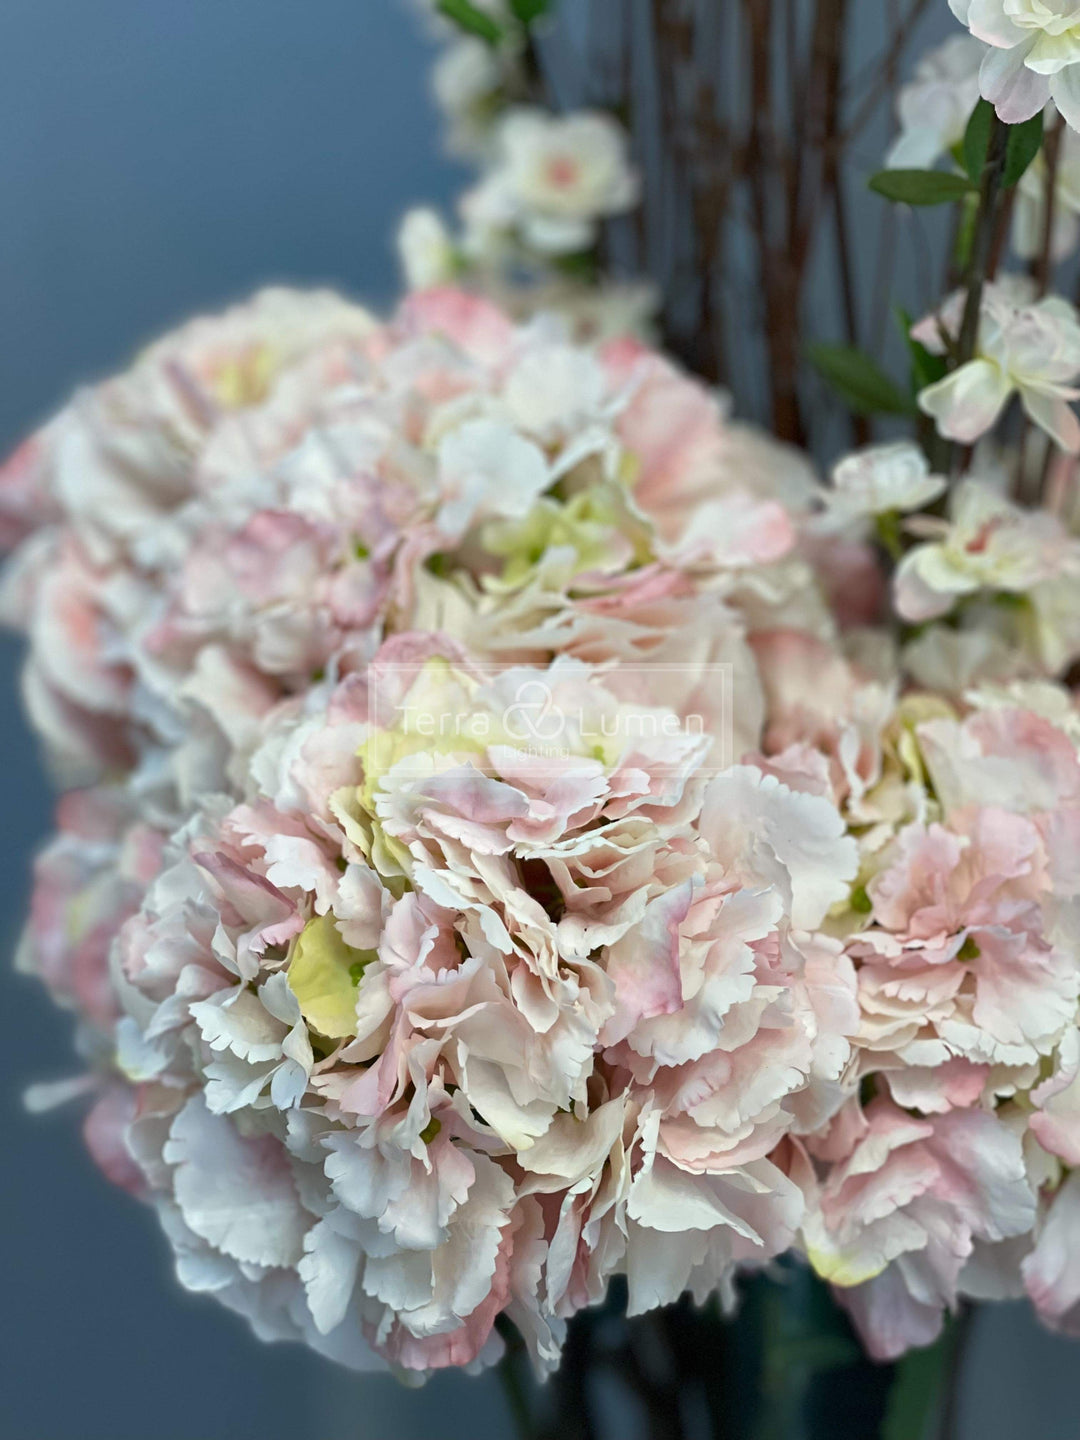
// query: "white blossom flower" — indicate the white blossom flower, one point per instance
point(882, 479)
point(487, 470)
point(987, 544)
point(466, 79)
point(554, 177)
point(464, 73)
point(488, 217)
point(1029, 220)
point(1023, 347)
point(426, 249)
point(933, 108)
point(1033, 55)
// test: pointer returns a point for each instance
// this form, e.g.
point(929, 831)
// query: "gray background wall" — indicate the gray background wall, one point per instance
point(158, 157)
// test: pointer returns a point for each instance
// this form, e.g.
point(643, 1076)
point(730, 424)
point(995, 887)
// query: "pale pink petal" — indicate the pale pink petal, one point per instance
point(966, 404)
point(1015, 92)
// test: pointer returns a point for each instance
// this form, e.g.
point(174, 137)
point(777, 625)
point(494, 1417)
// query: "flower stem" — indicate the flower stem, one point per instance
point(1043, 265)
point(517, 1399)
point(924, 1399)
point(958, 1342)
point(983, 240)
point(979, 262)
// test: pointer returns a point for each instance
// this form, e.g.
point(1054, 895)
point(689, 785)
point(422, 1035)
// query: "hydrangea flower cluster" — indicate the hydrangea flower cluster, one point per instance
point(940, 1176)
point(404, 1024)
point(479, 1029)
point(448, 465)
point(517, 855)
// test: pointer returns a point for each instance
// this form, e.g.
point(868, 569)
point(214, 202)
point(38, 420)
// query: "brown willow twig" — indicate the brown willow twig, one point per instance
point(884, 70)
point(833, 183)
point(885, 268)
point(1002, 226)
point(781, 270)
point(1040, 272)
point(820, 182)
point(1051, 155)
point(822, 104)
point(697, 148)
point(983, 240)
point(628, 78)
point(669, 45)
point(860, 424)
point(982, 257)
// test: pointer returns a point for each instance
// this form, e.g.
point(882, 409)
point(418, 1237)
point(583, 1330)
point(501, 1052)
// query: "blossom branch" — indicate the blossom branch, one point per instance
point(982, 244)
point(885, 69)
point(1052, 156)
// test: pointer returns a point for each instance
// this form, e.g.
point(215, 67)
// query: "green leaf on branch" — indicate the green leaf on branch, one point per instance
point(976, 143)
point(582, 265)
point(471, 19)
point(1025, 142)
point(921, 187)
point(926, 368)
point(529, 10)
point(916, 1393)
point(859, 382)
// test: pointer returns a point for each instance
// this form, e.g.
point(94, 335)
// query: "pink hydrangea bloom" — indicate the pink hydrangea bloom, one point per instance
point(482, 1018)
point(904, 1202)
point(964, 937)
point(268, 494)
point(526, 861)
point(87, 881)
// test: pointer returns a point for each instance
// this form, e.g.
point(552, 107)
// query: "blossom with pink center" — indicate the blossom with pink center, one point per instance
point(990, 546)
point(1024, 347)
point(882, 480)
point(553, 178)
